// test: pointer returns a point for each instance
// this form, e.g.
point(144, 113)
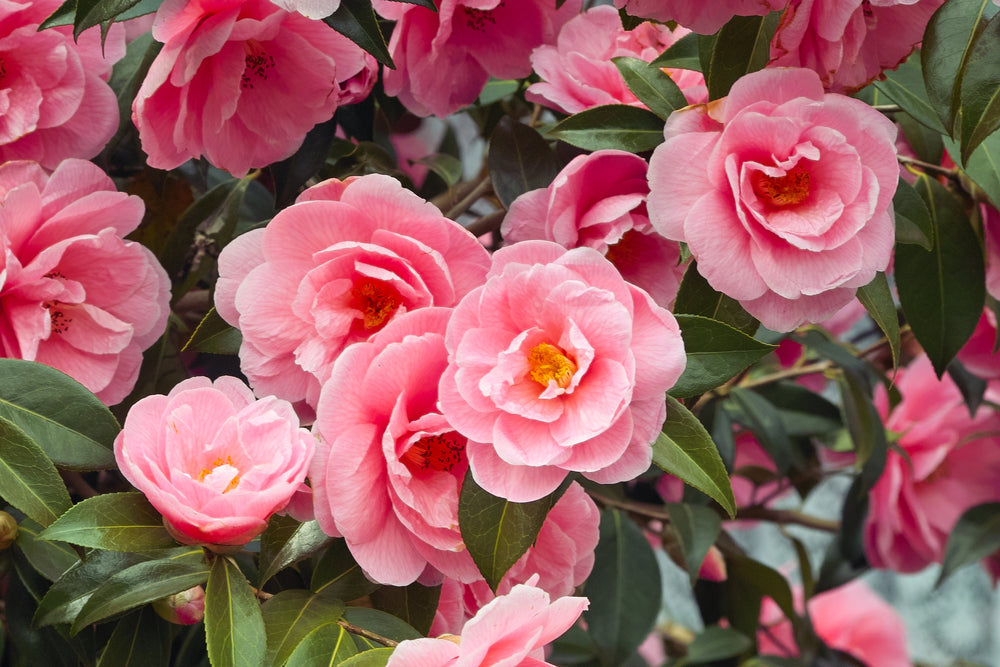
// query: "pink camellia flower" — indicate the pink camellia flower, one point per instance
point(184, 608)
point(951, 463)
point(510, 631)
point(599, 201)
point(850, 42)
point(73, 293)
point(212, 460)
point(978, 355)
point(444, 58)
point(782, 193)
point(242, 82)
point(577, 72)
point(56, 103)
point(991, 233)
point(333, 269)
point(556, 365)
point(698, 15)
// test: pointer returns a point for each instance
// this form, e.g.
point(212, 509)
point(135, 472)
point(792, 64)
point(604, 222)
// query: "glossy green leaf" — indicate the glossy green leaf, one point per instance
point(651, 86)
point(356, 20)
point(291, 615)
point(876, 297)
point(716, 352)
point(141, 639)
point(497, 89)
point(326, 645)
point(66, 420)
point(339, 575)
point(741, 46)
point(913, 220)
point(862, 419)
point(50, 559)
point(286, 541)
point(972, 388)
point(234, 626)
point(697, 528)
point(983, 166)
point(905, 87)
point(90, 13)
point(802, 412)
point(748, 582)
point(376, 657)
point(63, 15)
point(763, 419)
point(714, 644)
point(215, 336)
point(520, 160)
point(291, 174)
point(447, 167)
point(113, 521)
point(126, 78)
point(975, 536)
point(980, 89)
point(685, 449)
point(615, 126)
point(416, 604)
point(696, 297)
point(29, 480)
point(682, 54)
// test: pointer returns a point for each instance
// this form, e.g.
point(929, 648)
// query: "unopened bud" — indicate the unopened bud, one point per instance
point(713, 568)
point(184, 608)
point(8, 530)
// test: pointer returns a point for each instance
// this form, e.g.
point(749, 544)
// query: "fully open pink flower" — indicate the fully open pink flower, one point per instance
point(212, 460)
point(702, 16)
point(510, 631)
point(782, 193)
point(333, 269)
point(54, 100)
point(73, 293)
point(557, 365)
point(577, 72)
point(241, 83)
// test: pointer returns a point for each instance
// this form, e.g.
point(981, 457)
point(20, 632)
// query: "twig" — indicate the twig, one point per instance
point(368, 634)
point(761, 513)
point(928, 167)
point(484, 186)
point(454, 194)
point(78, 484)
point(645, 509)
point(488, 223)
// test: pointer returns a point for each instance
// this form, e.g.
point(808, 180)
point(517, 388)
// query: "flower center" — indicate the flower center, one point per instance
point(792, 188)
point(256, 63)
point(437, 452)
point(476, 19)
point(547, 362)
point(376, 300)
point(60, 323)
point(220, 462)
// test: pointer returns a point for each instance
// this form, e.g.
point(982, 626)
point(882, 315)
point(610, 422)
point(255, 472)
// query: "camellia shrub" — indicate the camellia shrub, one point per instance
point(437, 333)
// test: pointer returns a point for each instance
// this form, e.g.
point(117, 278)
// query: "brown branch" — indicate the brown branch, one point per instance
point(928, 167)
point(78, 484)
point(761, 513)
point(645, 509)
point(368, 634)
point(482, 188)
point(486, 224)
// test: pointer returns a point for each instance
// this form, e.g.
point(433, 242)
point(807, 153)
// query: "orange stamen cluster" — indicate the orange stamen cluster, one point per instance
point(437, 452)
point(376, 300)
point(547, 362)
point(792, 188)
point(205, 472)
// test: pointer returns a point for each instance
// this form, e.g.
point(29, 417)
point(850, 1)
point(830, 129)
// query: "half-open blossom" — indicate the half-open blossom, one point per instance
point(333, 269)
point(55, 102)
point(782, 193)
point(702, 16)
point(212, 460)
point(556, 365)
point(73, 293)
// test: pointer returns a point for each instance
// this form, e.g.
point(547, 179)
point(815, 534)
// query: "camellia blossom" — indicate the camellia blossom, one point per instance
point(511, 630)
point(333, 269)
point(55, 102)
point(556, 365)
point(978, 354)
point(783, 194)
point(212, 460)
point(577, 72)
point(698, 15)
point(241, 82)
point(73, 293)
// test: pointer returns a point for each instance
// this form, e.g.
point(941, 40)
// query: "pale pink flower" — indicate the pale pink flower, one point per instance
point(312, 9)
point(444, 58)
point(73, 293)
point(54, 100)
point(510, 631)
point(557, 365)
point(241, 83)
point(782, 193)
point(212, 460)
point(577, 72)
point(850, 42)
point(952, 462)
point(978, 355)
point(333, 269)
point(599, 201)
point(702, 16)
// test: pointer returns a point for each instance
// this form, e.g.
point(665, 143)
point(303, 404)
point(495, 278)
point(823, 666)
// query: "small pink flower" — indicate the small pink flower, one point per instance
point(73, 293)
point(510, 631)
point(698, 15)
point(599, 201)
point(212, 460)
point(557, 365)
point(782, 193)
point(577, 73)
point(184, 608)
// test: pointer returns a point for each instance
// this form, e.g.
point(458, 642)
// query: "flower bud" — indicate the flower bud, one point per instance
point(8, 530)
point(184, 608)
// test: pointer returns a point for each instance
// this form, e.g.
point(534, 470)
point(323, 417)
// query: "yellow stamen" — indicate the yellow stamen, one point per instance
point(547, 362)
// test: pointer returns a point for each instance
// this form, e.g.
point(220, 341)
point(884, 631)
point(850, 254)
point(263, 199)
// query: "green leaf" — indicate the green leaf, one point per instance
point(286, 541)
point(141, 639)
point(497, 89)
point(972, 388)
point(520, 160)
point(715, 643)
point(28, 479)
point(942, 292)
point(291, 174)
point(291, 615)
point(905, 87)
point(66, 420)
point(747, 583)
point(696, 297)
point(623, 588)
point(497, 531)
point(377, 657)
point(716, 352)
point(448, 167)
point(234, 626)
point(126, 78)
point(214, 335)
point(651, 85)
point(381, 623)
point(697, 528)
point(326, 645)
point(802, 412)
point(50, 559)
point(95, 12)
point(913, 220)
point(339, 575)
point(741, 46)
point(980, 89)
point(61, 16)
point(876, 297)
point(975, 536)
point(615, 126)
point(685, 449)
point(983, 166)
point(682, 54)
point(415, 604)
point(356, 20)
point(763, 419)
point(113, 521)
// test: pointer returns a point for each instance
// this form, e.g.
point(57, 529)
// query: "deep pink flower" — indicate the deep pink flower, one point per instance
point(510, 631)
point(782, 193)
point(333, 269)
point(54, 100)
point(242, 82)
point(702, 16)
point(850, 42)
point(444, 58)
point(952, 462)
point(978, 355)
point(577, 72)
point(557, 365)
point(73, 293)
point(212, 460)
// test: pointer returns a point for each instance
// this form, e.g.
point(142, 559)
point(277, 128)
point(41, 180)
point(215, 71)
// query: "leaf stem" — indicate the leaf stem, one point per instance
point(368, 634)
point(645, 509)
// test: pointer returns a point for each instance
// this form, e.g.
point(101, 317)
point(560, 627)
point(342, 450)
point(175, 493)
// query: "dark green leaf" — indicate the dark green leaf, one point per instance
point(682, 54)
point(35, 646)
point(651, 85)
point(50, 559)
point(747, 583)
point(28, 479)
point(520, 160)
point(291, 615)
point(905, 87)
point(973, 388)
point(126, 79)
point(876, 297)
point(983, 166)
point(925, 142)
point(174, 256)
point(763, 419)
point(448, 167)
point(696, 528)
point(716, 352)
point(715, 643)
point(285, 541)
point(741, 46)
point(415, 604)
point(234, 626)
point(685, 449)
point(980, 89)
point(291, 174)
point(803, 412)
point(113, 521)
point(94, 12)
point(773, 661)
point(376, 657)
point(862, 419)
point(141, 639)
point(913, 220)
point(356, 20)
point(61, 16)
point(975, 536)
point(615, 126)
point(326, 645)
point(805, 567)
point(339, 575)
point(381, 623)
point(215, 336)
point(696, 297)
